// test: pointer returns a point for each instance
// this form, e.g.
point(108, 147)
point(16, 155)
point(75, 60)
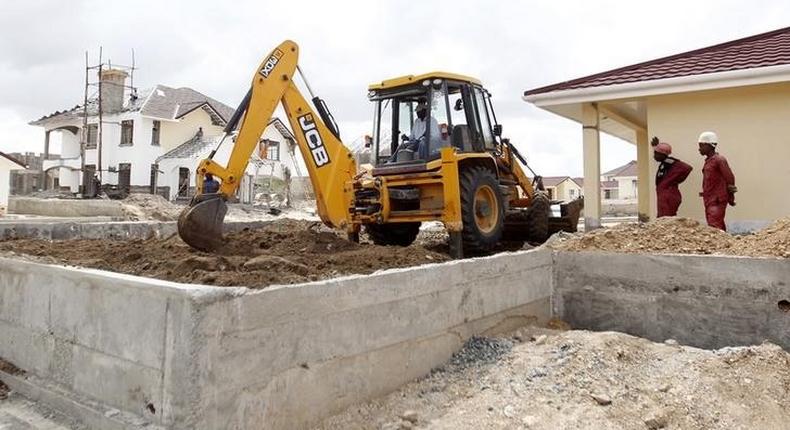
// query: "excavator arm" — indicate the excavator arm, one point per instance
point(330, 164)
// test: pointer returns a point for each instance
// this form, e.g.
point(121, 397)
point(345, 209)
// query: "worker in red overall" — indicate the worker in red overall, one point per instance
point(671, 173)
point(718, 181)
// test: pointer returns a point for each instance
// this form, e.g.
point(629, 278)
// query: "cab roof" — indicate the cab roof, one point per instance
point(410, 79)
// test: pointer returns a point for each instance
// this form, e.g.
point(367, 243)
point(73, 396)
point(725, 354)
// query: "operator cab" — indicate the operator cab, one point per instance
point(459, 114)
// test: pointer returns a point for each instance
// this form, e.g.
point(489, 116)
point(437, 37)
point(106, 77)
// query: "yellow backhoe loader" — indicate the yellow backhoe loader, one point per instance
point(436, 154)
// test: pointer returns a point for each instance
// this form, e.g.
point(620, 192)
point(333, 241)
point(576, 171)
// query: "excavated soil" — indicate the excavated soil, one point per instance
point(682, 236)
point(543, 379)
point(283, 252)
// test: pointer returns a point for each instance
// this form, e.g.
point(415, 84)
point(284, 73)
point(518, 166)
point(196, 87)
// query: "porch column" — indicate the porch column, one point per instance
point(643, 175)
point(591, 138)
point(45, 175)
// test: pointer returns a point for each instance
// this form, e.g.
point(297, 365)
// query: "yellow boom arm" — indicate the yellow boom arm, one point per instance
point(330, 164)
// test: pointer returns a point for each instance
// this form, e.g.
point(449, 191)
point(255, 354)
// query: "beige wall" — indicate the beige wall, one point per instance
point(563, 190)
point(753, 124)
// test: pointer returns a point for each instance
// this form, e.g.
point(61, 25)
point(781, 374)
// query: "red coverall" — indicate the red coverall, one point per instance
point(671, 173)
point(716, 177)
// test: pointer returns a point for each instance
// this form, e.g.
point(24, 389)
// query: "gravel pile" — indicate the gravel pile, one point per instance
point(680, 236)
point(585, 380)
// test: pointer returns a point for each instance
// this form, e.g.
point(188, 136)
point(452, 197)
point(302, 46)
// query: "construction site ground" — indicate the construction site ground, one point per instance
point(539, 378)
point(285, 251)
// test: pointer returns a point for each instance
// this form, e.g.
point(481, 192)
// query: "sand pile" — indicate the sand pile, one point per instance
point(681, 236)
point(283, 252)
point(544, 380)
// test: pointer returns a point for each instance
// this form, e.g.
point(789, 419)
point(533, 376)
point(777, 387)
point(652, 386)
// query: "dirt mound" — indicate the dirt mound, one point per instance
point(681, 236)
point(283, 252)
point(773, 240)
point(585, 380)
point(677, 235)
point(142, 207)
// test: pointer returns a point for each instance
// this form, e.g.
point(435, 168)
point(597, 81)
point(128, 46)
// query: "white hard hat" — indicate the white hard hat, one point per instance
point(708, 137)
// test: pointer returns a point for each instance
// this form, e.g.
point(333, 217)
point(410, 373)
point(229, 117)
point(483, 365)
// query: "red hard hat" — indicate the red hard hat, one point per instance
point(663, 148)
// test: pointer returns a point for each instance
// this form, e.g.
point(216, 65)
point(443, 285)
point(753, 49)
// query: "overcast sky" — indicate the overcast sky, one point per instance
point(214, 47)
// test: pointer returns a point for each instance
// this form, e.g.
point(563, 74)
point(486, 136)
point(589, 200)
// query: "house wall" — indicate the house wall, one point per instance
point(171, 166)
point(5, 186)
point(70, 148)
point(753, 125)
point(626, 188)
point(174, 133)
point(563, 191)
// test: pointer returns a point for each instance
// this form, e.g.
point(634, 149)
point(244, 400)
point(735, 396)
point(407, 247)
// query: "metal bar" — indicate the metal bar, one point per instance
point(307, 84)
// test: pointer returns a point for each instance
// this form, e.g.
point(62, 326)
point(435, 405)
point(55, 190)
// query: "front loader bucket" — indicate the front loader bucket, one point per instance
point(200, 223)
point(569, 217)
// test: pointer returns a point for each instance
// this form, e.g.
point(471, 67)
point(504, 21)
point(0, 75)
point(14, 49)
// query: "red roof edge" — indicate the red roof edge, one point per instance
point(552, 87)
point(3, 154)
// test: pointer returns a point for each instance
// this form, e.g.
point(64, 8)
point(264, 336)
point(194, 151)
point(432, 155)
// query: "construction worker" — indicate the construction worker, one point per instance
point(718, 181)
point(210, 185)
point(417, 141)
point(671, 173)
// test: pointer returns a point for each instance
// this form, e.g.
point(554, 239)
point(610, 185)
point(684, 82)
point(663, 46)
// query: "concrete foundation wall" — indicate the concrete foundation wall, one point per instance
point(286, 357)
point(65, 208)
point(198, 357)
point(705, 301)
point(35, 229)
point(99, 335)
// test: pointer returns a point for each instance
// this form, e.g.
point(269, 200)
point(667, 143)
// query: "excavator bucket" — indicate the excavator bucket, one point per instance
point(200, 223)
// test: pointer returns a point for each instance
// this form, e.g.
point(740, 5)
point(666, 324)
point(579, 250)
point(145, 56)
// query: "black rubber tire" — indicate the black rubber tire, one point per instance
point(475, 240)
point(538, 218)
point(394, 234)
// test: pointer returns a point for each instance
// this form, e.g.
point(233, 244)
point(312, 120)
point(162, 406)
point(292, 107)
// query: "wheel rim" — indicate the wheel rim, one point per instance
point(486, 209)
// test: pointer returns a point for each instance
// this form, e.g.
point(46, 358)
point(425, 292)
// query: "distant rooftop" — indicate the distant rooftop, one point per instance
point(628, 169)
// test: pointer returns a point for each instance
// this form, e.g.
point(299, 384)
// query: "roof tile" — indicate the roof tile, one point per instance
point(762, 50)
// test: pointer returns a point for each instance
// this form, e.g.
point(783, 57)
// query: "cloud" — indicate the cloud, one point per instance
point(214, 47)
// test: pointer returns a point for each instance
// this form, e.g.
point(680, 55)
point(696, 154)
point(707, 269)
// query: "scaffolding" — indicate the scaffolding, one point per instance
point(93, 91)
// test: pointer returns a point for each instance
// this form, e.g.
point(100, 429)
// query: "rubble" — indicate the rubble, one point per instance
point(585, 380)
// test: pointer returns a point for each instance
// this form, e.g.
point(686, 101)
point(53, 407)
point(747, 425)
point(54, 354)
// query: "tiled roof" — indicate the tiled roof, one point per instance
point(553, 181)
point(628, 169)
point(762, 50)
point(609, 184)
point(174, 103)
point(158, 102)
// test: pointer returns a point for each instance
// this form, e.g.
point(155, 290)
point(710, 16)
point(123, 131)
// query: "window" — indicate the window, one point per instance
point(155, 133)
point(572, 193)
point(92, 136)
point(272, 150)
point(485, 124)
point(127, 131)
point(607, 194)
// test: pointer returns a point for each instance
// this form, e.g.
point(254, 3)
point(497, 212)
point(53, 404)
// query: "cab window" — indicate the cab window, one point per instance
point(485, 123)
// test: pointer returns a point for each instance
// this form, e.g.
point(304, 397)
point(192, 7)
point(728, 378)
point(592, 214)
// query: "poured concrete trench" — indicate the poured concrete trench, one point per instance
point(119, 351)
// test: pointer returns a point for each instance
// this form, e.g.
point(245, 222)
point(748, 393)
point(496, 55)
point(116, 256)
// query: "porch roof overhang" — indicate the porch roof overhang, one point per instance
point(622, 106)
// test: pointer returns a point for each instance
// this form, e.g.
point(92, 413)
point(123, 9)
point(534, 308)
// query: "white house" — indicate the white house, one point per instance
point(137, 130)
point(277, 156)
point(7, 164)
point(620, 183)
